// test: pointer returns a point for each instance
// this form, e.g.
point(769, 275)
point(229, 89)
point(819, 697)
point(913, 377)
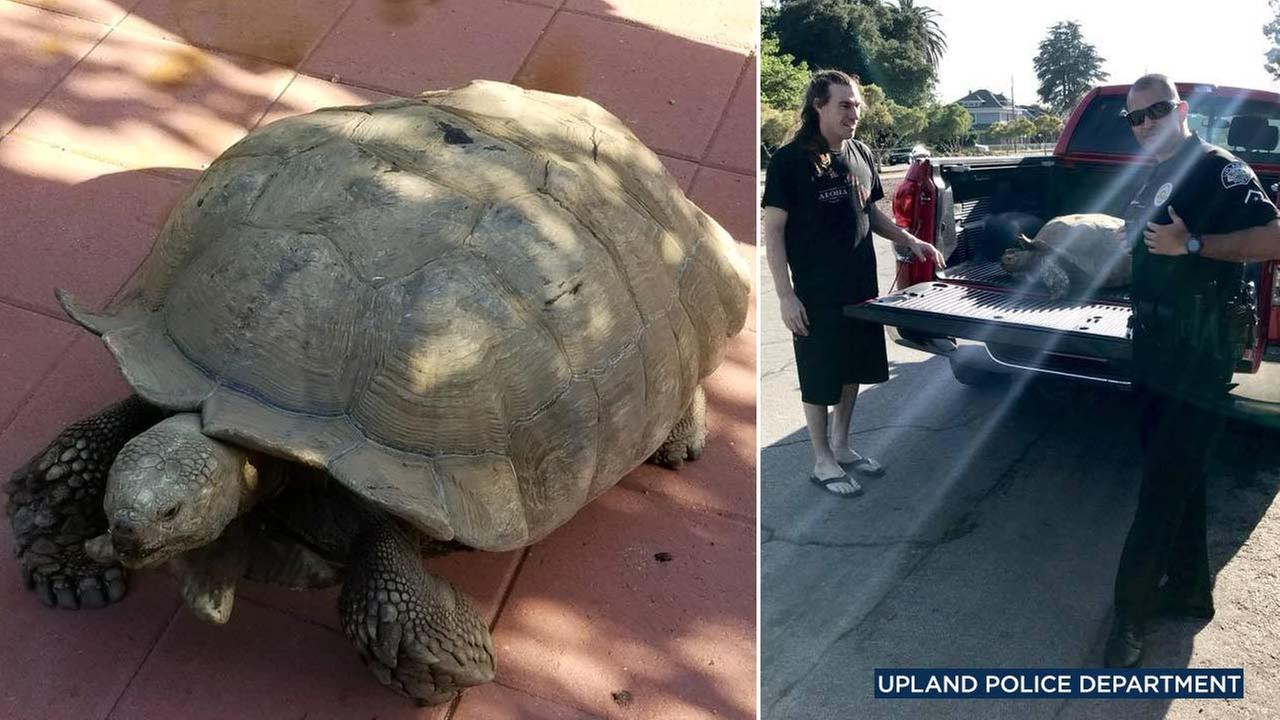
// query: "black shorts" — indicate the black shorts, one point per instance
point(838, 351)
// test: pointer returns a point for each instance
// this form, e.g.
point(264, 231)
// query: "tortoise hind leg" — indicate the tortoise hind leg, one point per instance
point(415, 632)
point(688, 437)
point(55, 505)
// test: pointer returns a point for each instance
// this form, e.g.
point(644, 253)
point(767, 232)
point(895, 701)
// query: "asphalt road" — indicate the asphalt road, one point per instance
point(992, 541)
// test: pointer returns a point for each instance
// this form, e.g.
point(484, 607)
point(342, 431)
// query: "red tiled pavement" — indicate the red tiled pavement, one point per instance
point(283, 31)
point(434, 45)
point(86, 224)
point(142, 102)
point(594, 612)
point(105, 12)
point(37, 49)
point(85, 180)
point(643, 76)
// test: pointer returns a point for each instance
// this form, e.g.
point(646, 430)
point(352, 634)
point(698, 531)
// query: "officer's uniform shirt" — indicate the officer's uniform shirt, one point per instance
point(1214, 193)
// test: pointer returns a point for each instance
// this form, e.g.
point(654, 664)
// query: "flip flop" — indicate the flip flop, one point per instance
point(827, 483)
point(864, 466)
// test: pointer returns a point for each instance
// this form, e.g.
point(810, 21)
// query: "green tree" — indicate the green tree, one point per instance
point(923, 21)
point(865, 37)
point(998, 131)
point(774, 126)
point(1066, 66)
point(782, 81)
point(908, 122)
point(946, 125)
point(1020, 128)
point(876, 122)
point(1048, 127)
point(1272, 31)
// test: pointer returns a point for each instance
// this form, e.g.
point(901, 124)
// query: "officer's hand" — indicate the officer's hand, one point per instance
point(1170, 239)
point(924, 251)
point(794, 316)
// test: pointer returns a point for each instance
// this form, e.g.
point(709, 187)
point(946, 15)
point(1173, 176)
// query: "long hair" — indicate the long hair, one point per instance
point(807, 134)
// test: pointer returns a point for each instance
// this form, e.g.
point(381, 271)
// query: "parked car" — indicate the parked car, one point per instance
point(976, 315)
point(899, 156)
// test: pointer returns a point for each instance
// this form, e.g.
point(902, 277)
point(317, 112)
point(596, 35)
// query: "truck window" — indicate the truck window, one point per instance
point(1248, 128)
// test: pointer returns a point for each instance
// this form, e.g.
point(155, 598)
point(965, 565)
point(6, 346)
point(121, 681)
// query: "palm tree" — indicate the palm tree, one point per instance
point(923, 21)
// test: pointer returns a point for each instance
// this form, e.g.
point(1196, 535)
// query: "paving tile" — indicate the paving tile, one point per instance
point(495, 702)
point(669, 90)
point(30, 345)
point(735, 147)
point(73, 665)
point(306, 93)
point(405, 48)
point(78, 223)
point(594, 613)
point(37, 49)
point(682, 170)
point(261, 664)
point(141, 102)
point(729, 22)
point(723, 480)
point(730, 199)
point(106, 12)
point(83, 382)
point(483, 577)
point(282, 31)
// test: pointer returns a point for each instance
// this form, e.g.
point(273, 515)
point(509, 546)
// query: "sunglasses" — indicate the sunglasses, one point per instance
point(1155, 111)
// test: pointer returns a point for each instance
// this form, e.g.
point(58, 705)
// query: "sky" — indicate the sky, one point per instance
point(988, 41)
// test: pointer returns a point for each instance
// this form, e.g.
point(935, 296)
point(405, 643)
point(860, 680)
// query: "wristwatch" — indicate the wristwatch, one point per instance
point(1194, 244)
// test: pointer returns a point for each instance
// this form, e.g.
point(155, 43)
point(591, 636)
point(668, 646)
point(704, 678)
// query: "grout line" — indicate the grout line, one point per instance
point(37, 310)
point(58, 83)
point(64, 13)
point(724, 112)
point(172, 619)
point(533, 50)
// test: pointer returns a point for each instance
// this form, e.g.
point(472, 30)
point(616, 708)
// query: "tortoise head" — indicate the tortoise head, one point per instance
point(171, 489)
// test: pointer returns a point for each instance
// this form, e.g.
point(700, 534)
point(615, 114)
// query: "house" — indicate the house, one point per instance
point(988, 108)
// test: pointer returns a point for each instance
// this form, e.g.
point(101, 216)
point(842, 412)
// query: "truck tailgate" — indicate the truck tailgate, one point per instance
point(1070, 327)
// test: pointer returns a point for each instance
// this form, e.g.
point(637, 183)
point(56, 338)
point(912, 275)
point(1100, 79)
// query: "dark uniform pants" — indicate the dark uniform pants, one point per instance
point(1168, 533)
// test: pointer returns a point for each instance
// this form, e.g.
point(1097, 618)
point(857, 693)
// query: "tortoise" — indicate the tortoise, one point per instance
point(1073, 253)
point(370, 333)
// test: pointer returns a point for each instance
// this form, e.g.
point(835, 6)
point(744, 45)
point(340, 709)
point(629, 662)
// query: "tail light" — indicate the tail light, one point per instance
point(913, 209)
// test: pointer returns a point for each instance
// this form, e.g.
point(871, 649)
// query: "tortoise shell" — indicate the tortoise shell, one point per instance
point(478, 308)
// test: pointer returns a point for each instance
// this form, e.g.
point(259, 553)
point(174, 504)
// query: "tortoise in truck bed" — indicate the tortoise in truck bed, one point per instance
point(372, 332)
point(1073, 255)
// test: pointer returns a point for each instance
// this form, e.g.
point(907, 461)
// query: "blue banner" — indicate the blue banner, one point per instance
point(1031, 683)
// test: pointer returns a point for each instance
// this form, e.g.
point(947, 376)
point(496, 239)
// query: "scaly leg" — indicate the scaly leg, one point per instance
point(414, 631)
point(688, 437)
point(55, 505)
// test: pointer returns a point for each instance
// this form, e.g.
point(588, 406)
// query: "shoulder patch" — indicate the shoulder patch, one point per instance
point(1236, 174)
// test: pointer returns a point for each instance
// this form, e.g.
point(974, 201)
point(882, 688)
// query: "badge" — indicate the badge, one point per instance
point(1163, 193)
point(1235, 175)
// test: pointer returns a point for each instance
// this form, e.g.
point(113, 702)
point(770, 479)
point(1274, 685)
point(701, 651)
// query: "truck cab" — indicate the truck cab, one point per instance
point(989, 323)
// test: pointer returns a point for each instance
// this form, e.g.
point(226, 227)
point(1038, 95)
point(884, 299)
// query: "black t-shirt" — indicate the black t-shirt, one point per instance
point(1214, 193)
point(828, 229)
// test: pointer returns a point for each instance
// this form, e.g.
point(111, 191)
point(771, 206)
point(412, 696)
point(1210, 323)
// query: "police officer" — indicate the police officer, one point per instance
point(1200, 215)
point(819, 212)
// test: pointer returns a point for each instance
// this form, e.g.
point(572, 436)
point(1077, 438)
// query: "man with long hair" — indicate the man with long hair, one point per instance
point(819, 215)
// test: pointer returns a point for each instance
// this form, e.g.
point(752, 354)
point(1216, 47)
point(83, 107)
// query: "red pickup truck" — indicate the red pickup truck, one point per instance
point(989, 324)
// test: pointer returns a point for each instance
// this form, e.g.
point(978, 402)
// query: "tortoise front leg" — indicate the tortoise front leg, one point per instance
point(414, 631)
point(55, 505)
point(687, 438)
